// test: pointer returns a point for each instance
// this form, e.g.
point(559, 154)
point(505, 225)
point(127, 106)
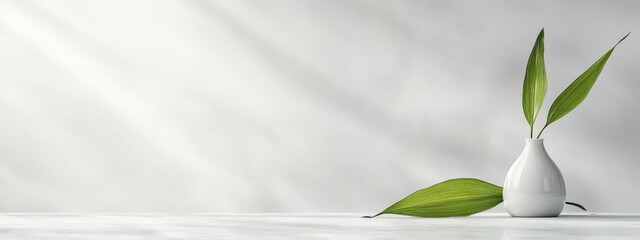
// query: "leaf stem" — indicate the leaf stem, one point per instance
point(538, 137)
point(531, 132)
point(576, 205)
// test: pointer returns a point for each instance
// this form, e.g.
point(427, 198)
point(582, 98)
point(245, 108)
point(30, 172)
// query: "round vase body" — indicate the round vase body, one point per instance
point(534, 186)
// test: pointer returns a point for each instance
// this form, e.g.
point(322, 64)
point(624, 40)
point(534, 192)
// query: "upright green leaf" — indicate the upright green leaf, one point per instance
point(455, 197)
point(535, 82)
point(577, 91)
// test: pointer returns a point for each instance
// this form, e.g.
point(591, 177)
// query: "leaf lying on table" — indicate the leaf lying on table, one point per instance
point(451, 198)
point(455, 197)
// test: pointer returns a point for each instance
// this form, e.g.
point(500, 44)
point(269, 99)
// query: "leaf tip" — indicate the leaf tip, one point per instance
point(373, 215)
point(541, 34)
point(623, 38)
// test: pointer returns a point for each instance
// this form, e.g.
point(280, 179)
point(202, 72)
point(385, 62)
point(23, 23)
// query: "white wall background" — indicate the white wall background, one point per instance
point(301, 106)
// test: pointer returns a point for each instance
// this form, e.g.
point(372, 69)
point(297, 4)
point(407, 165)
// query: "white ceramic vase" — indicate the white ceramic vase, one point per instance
point(534, 186)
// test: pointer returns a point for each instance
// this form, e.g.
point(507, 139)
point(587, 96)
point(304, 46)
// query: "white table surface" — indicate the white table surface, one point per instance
point(314, 226)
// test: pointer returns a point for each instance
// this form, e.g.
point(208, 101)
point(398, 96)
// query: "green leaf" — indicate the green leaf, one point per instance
point(535, 82)
point(455, 197)
point(577, 91)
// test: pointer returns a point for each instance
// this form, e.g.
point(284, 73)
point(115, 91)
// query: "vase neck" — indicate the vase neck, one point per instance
point(534, 140)
point(534, 143)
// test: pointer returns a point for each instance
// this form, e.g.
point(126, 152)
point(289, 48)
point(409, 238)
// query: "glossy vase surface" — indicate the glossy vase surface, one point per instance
point(534, 186)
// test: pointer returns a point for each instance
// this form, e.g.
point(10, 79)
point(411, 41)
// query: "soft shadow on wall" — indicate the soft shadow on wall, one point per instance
point(299, 106)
